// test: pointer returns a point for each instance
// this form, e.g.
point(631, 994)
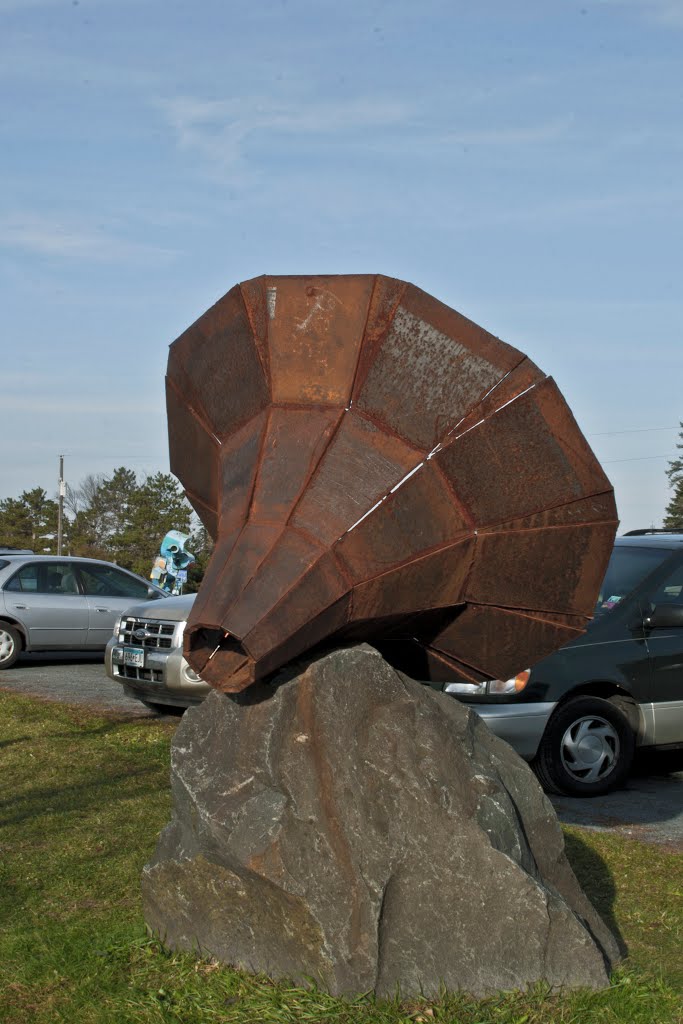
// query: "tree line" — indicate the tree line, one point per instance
point(673, 518)
point(118, 518)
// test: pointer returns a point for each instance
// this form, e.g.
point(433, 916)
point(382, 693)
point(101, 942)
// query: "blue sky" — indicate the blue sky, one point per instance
point(521, 161)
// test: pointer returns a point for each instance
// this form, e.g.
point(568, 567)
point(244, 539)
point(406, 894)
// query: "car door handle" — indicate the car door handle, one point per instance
point(101, 609)
point(21, 607)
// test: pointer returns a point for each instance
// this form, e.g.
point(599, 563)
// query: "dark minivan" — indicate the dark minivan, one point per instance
point(579, 714)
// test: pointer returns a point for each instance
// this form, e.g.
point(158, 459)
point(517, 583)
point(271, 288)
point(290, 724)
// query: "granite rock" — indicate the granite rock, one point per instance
point(358, 828)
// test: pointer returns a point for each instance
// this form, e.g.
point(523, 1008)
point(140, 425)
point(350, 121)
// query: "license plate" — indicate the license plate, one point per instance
point(134, 656)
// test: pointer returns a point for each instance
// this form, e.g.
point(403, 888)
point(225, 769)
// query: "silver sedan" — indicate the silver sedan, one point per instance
point(50, 602)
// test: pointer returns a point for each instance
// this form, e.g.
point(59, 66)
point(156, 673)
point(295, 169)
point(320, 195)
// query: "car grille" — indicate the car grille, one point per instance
point(146, 674)
point(157, 633)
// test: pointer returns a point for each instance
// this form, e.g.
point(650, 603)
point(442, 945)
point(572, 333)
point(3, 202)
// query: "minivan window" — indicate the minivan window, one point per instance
point(670, 590)
point(627, 568)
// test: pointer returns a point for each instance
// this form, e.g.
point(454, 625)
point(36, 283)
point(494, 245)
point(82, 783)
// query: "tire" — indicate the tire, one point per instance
point(587, 748)
point(10, 645)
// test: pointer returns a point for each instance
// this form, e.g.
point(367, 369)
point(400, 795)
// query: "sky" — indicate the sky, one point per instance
point(523, 162)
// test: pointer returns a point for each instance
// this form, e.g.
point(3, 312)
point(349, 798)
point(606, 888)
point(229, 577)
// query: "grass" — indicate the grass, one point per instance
point(83, 799)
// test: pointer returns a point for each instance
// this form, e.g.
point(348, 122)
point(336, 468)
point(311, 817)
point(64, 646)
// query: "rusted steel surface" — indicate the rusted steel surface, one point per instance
point(371, 464)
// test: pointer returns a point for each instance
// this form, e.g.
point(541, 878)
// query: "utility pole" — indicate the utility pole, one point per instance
point(60, 514)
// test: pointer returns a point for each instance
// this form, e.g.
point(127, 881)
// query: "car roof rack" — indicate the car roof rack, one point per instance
point(644, 533)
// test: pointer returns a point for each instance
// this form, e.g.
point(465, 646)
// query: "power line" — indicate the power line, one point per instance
point(640, 458)
point(128, 458)
point(635, 430)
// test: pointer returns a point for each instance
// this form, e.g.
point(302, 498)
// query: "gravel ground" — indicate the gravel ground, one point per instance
point(649, 808)
point(74, 679)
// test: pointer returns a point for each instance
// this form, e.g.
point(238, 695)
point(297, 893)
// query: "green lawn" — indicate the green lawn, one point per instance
point(83, 799)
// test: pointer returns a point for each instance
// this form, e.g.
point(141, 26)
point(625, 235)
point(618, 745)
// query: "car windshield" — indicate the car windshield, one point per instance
point(627, 568)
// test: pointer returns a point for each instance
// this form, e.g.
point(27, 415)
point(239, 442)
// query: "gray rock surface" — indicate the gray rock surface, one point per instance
point(363, 830)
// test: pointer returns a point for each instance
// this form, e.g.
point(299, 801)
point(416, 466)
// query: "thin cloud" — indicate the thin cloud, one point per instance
point(52, 238)
point(219, 130)
point(623, 204)
point(20, 6)
point(556, 130)
point(664, 12)
point(30, 405)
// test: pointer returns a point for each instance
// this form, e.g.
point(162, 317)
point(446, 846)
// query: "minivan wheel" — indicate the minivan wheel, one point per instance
point(10, 645)
point(587, 748)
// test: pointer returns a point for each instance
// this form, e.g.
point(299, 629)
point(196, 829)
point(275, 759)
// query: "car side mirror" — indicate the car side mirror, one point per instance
point(665, 616)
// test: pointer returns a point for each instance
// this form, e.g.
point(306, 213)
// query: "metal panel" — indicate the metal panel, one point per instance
point(294, 443)
point(228, 667)
point(194, 452)
point(559, 569)
point(207, 592)
point(501, 642)
point(236, 568)
point(526, 457)
point(418, 517)
point(220, 366)
point(360, 466)
point(429, 370)
point(432, 581)
point(321, 627)
point(318, 588)
point(438, 666)
point(598, 508)
point(517, 381)
point(255, 298)
point(386, 297)
point(290, 558)
point(239, 463)
point(314, 336)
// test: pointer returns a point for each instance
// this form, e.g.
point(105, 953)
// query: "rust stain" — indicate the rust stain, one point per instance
point(328, 806)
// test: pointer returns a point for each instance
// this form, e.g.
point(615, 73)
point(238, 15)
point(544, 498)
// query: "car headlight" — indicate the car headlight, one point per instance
point(492, 686)
point(190, 673)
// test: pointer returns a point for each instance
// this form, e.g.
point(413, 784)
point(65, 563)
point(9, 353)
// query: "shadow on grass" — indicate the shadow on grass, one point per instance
point(17, 739)
point(597, 881)
point(76, 797)
point(113, 773)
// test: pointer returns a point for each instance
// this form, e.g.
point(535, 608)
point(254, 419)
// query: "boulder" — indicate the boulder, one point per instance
point(360, 829)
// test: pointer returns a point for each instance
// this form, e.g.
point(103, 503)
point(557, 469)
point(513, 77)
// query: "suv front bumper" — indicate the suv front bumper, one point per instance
point(520, 725)
point(165, 679)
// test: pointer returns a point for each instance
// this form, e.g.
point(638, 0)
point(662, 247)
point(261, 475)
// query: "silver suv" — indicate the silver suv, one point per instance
point(145, 655)
point(58, 602)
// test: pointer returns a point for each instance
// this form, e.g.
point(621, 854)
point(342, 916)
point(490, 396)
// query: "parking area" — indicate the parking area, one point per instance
point(650, 807)
point(71, 678)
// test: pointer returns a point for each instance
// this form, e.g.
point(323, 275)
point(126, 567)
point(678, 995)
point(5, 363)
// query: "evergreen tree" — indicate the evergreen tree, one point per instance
point(15, 524)
point(201, 546)
point(155, 507)
point(29, 521)
point(674, 510)
point(105, 510)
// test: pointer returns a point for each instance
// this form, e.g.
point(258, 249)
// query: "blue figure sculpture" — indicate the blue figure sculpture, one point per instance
point(170, 567)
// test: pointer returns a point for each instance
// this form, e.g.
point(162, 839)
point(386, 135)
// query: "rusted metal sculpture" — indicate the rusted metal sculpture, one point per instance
point(371, 463)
